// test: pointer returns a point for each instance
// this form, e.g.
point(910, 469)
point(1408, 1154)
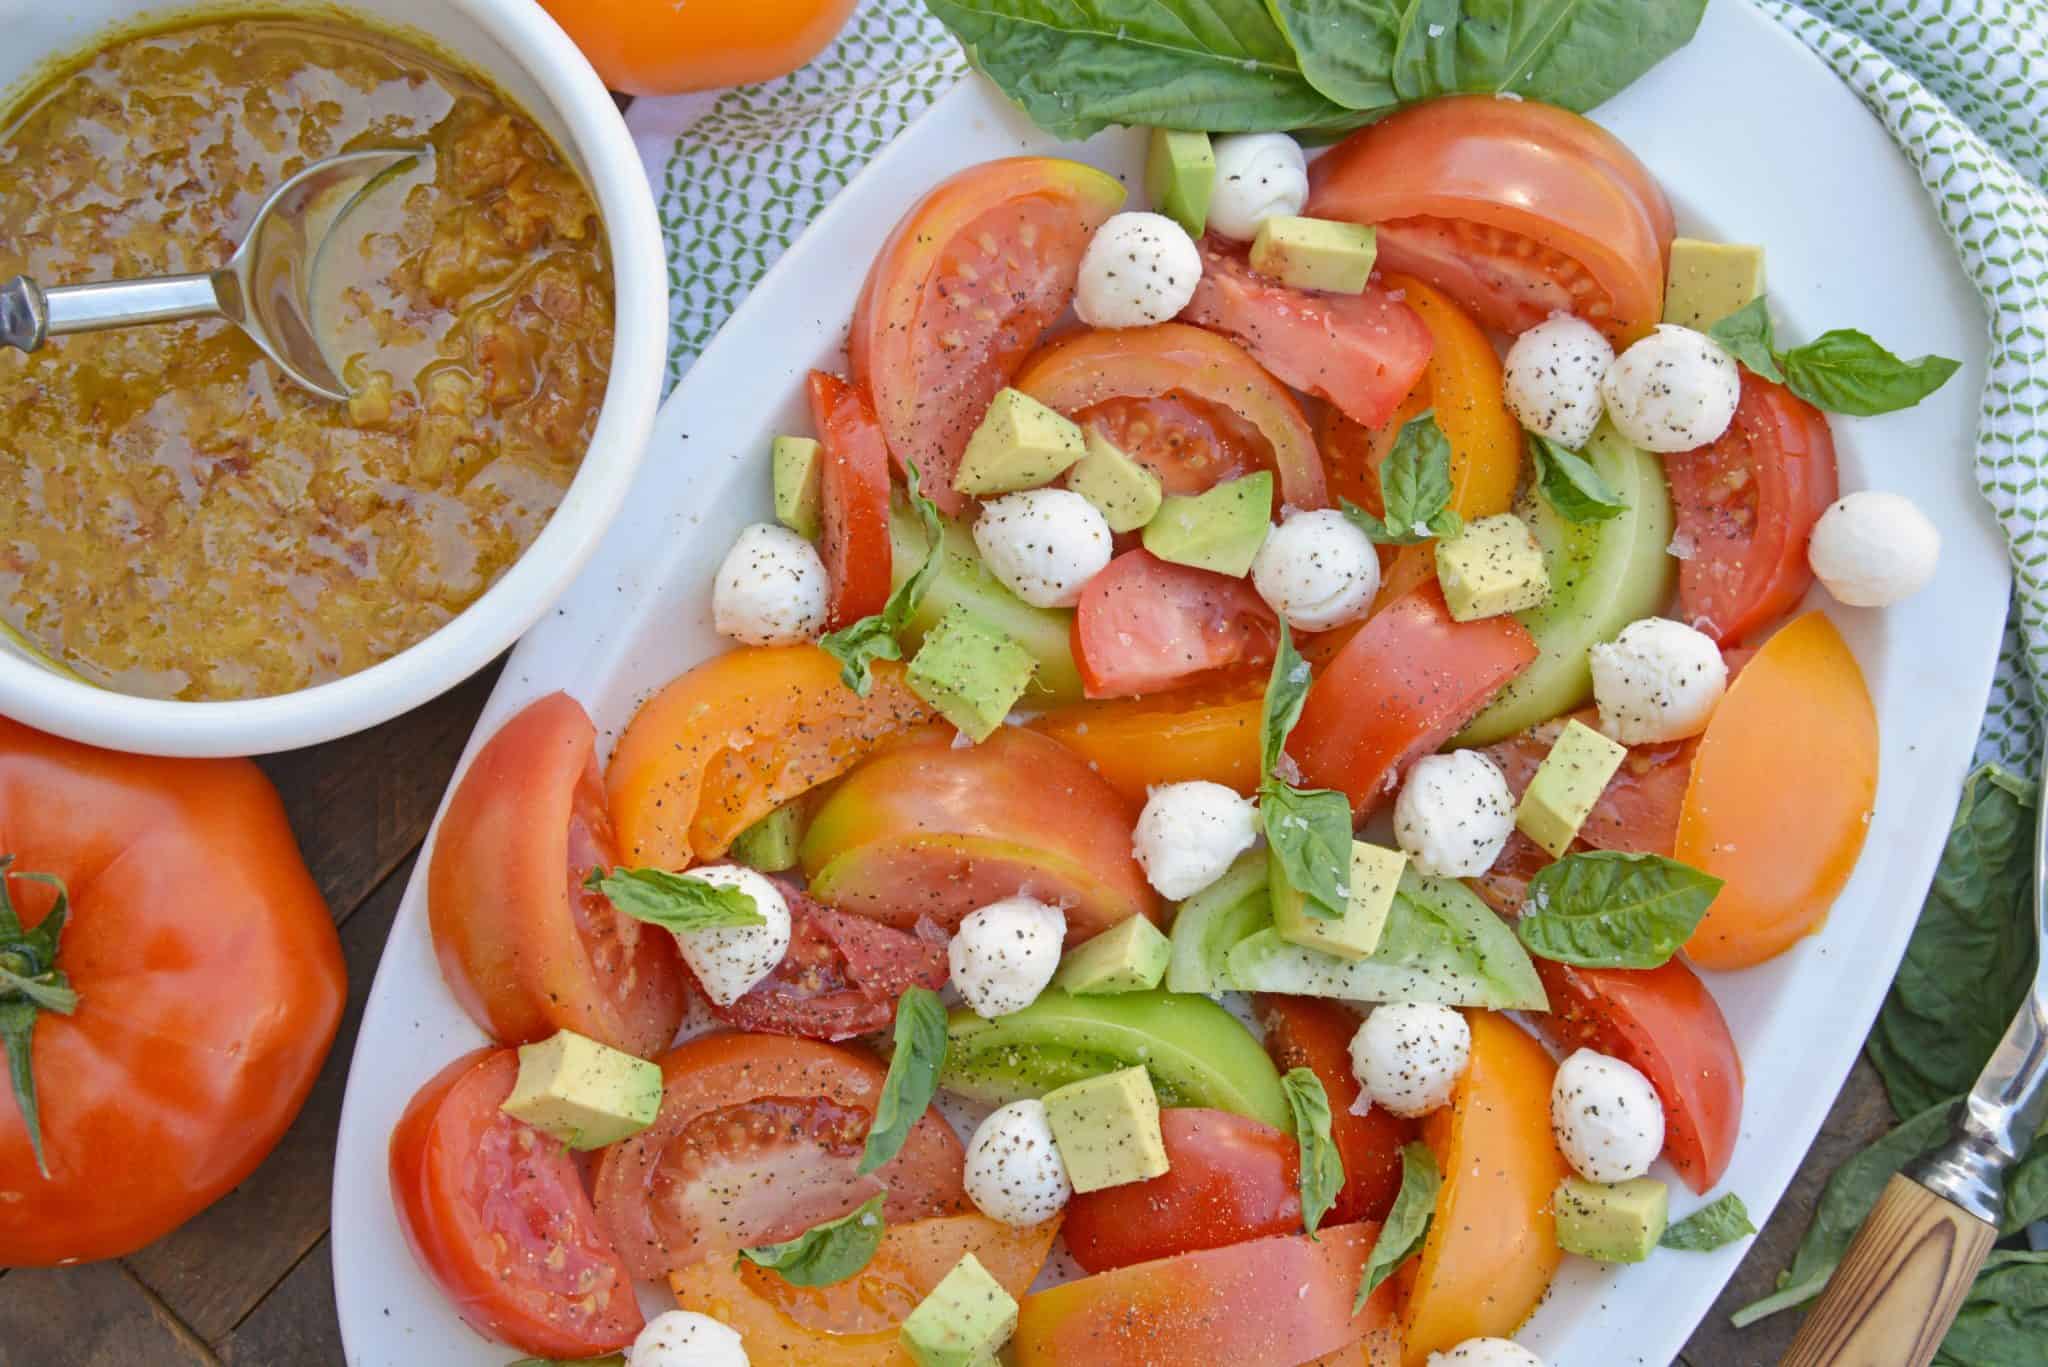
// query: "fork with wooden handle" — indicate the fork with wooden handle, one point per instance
point(1899, 1286)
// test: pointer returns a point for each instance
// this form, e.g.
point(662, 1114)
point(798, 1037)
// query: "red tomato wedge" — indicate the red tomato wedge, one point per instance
point(1191, 443)
point(757, 1140)
point(496, 1213)
point(1748, 504)
point(1515, 209)
point(1637, 811)
point(1315, 1033)
point(854, 493)
point(1363, 352)
point(1665, 1023)
point(1089, 368)
point(1285, 1299)
point(524, 946)
point(1232, 1178)
point(1398, 689)
point(961, 291)
point(1145, 625)
point(840, 977)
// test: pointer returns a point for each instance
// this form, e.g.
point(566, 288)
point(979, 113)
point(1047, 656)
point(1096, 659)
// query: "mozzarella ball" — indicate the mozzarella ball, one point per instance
point(1454, 814)
point(771, 589)
point(1673, 391)
point(1608, 1121)
point(1409, 1055)
point(1004, 954)
point(1317, 570)
point(1044, 544)
point(1551, 378)
point(1139, 269)
point(1486, 1353)
point(1873, 549)
point(1014, 1170)
point(684, 1338)
point(1258, 176)
point(1189, 833)
point(730, 959)
point(1658, 680)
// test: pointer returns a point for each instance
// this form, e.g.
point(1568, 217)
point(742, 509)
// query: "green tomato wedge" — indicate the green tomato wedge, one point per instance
point(1197, 1053)
point(1213, 920)
point(1603, 575)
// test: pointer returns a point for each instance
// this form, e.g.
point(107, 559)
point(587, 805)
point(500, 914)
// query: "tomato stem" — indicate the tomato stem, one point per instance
point(30, 983)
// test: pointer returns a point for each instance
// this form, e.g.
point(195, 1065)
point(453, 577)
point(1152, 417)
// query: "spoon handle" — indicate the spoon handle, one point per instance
point(29, 313)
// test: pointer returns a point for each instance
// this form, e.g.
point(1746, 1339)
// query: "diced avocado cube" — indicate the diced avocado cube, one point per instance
point(1180, 175)
point(1021, 444)
point(1567, 784)
point(1219, 529)
point(1123, 491)
point(1107, 1129)
point(1710, 280)
point(1491, 568)
point(770, 844)
point(1616, 1222)
point(798, 463)
point(965, 1319)
point(1375, 874)
point(973, 674)
point(1315, 253)
point(583, 1093)
point(1131, 956)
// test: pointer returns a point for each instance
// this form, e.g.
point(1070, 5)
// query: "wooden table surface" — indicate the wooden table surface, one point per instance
point(248, 1281)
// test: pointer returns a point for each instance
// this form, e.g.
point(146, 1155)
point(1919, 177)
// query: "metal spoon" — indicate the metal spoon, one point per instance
point(265, 289)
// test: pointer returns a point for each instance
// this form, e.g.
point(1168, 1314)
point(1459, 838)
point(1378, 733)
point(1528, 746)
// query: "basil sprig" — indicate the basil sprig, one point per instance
point(1406, 1224)
point(913, 1076)
point(1608, 909)
point(1322, 1169)
point(1843, 371)
point(827, 1253)
point(1712, 1226)
point(674, 901)
point(874, 637)
point(1307, 829)
point(1571, 485)
point(1415, 488)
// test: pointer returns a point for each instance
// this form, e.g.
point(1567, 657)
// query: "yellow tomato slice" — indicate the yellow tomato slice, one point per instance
point(1781, 794)
point(1135, 743)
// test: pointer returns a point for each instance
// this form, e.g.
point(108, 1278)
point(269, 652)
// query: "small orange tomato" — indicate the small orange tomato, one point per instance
point(659, 47)
point(1783, 849)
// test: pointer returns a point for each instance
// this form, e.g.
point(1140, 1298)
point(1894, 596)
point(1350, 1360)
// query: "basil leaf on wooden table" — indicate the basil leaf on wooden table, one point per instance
point(1712, 1226)
point(674, 901)
point(1322, 1170)
point(827, 1253)
point(913, 1076)
point(1608, 909)
point(1307, 829)
point(1842, 371)
point(1571, 485)
point(1415, 488)
point(2004, 1320)
point(1406, 1224)
point(874, 637)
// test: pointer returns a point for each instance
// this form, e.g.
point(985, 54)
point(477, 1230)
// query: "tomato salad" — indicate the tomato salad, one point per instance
point(1304, 675)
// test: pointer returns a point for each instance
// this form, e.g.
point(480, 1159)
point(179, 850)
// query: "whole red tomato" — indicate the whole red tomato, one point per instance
point(208, 984)
point(660, 47)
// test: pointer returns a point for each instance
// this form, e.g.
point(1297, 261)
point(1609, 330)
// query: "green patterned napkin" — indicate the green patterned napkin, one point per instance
point(1963, 89)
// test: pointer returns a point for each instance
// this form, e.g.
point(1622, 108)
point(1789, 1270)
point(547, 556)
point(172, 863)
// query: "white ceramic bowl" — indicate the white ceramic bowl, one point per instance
point(521, 49)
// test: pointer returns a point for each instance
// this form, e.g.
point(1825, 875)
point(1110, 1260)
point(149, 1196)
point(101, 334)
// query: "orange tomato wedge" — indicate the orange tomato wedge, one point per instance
point(854, 1323)
point(1180, 737)
point(726, 743)
point(1492, 1244)
point(1781, 794)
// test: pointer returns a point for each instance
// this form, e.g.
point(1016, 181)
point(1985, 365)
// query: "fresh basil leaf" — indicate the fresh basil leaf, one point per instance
point(2026, 1190)
point(1609, 909)
point(1844, 371)
point(1286, 691)
point(1571, 485)
point(2004, 1319)
point(1574, 53)
point(825, 1254)
point(1345, 47)
point(1415, 488)
point(1970, 962)
point(1746, 335)
point(1309, 830)
point(1322, 1170)
point(874, 637)
point(674, 901)
point(913, 1076)
point(1406, 1224)
point(1712, 1226)
point(1077, 66)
